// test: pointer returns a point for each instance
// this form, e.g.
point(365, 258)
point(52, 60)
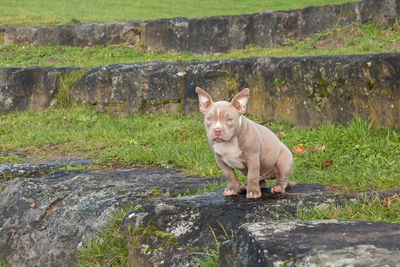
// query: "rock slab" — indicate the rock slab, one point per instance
point(32, 88)
point(170, 231)
point(43, 220)
point(304, 90)
point(313, 243)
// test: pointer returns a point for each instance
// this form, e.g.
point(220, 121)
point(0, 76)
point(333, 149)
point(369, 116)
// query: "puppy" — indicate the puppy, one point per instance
point(240, 143)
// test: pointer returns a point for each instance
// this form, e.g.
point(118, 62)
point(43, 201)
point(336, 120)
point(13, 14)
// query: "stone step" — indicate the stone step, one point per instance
point(212, 34)
point(304, 90)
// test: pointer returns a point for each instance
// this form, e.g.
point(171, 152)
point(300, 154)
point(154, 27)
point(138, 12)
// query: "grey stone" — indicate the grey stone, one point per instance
point(31, 88)
point(191, 219)
point(304, 90)
point(43, 220)
point(140, 87)
point(212, 34)
point(313, 243)
point(41, 168)
point(76, 35)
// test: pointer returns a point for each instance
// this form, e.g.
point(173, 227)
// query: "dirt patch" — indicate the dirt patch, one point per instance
point(338, 38)
point(394, 46)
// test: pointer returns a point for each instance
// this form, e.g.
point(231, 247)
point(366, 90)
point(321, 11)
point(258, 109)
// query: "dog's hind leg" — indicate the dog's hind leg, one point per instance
point(282, 172)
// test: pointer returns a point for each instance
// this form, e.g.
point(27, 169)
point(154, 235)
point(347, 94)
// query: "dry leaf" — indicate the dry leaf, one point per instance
point(33, 205)
point(299, 149)
point(12, 231)
point(326, 163)
point(282, 134)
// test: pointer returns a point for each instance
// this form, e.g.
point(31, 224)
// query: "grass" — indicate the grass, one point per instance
point(352, 39)
point(42, 12)
point(67, 80)
point(364, 159)
point(109, 248)
point(210, 256)
point(368, 209)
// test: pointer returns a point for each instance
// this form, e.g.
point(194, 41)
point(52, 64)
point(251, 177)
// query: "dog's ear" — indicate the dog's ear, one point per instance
point(205, 100)
point(239, 101)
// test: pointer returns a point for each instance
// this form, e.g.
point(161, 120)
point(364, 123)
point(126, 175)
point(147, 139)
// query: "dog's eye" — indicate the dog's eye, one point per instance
point(230, 120)
point(209, 118)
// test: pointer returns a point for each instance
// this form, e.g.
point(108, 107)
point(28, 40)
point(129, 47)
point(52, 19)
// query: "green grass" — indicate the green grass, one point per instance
point(353, 39)
point(138, 139)
point(67, 80)
point(364, 159)
point(210, 256)
point(109, 248)
point(56, 12)
point(10, 159)
point(369, 209)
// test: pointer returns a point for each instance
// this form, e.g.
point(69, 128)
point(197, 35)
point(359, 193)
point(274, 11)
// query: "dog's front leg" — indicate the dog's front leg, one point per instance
point(253, 177)
point(233, 183)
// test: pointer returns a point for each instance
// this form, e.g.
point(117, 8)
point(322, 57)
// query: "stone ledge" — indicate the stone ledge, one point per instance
point(313, 243)
point(212, 34)
point(304, 90)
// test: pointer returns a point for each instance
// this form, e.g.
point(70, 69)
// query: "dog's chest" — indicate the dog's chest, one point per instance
point(230, 153)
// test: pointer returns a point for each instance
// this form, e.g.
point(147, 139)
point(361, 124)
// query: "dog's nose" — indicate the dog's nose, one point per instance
point(218, 131)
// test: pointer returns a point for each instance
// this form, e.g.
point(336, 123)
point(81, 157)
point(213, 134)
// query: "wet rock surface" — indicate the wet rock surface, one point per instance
point(313, 243)
point(212, 34)
point(10, 171)
point(187, 223)
point(39, 168)
point(47, 213)
point(43, 220)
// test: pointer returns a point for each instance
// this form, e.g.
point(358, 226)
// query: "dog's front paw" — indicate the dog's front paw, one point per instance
point(253, 194)
point(230, 192)
point(277, 189)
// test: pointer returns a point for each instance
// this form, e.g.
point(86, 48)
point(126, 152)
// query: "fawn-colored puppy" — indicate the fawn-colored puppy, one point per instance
point(240, 143)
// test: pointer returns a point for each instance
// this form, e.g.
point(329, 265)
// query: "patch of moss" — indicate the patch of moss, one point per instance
point(150, 238)
point(371, 83)
point(9, 159)
point(165, 101)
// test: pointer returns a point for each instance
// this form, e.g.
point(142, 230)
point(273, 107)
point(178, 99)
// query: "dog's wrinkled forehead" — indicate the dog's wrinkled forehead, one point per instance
point(221, 109)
